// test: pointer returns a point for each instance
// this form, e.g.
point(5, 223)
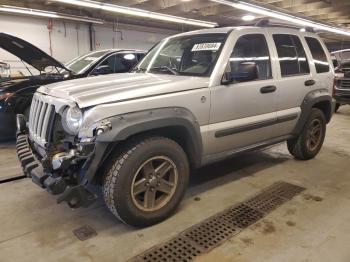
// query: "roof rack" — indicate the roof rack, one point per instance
point(265, 22)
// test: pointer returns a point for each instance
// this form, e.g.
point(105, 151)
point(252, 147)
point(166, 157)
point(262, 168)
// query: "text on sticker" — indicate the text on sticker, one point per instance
point(206, 47)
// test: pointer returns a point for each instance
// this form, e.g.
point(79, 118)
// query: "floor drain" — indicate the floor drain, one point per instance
point(84, 232)
point(176, 249)
point(213, 231)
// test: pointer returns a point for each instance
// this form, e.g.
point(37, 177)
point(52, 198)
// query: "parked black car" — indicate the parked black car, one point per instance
point(16, 93)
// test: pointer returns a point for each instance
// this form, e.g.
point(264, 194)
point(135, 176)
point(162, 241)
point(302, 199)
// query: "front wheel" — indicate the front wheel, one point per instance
point(310, 140)
point(146, 181)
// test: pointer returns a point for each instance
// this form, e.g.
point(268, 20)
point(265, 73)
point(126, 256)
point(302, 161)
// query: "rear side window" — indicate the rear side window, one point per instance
point(318, 55)
point(291, 55)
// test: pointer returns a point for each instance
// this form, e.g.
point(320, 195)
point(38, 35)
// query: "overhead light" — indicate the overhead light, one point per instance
point(248, 17)
point(302, 30)
point(137, 12)
point(42, 13)
point(282, 16)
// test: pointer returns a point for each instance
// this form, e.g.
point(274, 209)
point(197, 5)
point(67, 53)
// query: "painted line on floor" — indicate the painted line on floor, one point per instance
point(13, 178)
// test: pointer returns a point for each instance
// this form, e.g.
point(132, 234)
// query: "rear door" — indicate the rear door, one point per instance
point(295, 77)
point(320, 62)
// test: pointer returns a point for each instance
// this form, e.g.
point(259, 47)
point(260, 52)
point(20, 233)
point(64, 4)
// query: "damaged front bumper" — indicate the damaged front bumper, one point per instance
point(76, 193)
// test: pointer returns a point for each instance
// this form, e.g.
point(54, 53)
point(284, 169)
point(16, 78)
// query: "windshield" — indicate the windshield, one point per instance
point(193, 55)
point(80, 64)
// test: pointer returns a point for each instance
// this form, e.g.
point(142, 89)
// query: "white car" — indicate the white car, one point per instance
point(194, 99)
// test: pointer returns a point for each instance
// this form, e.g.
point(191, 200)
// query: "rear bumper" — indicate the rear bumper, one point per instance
point(75, 195)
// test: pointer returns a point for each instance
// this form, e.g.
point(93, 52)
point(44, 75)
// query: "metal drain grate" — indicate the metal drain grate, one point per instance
point(241, 216)
point(265, 202)
point(213, 231)
point(176, 249)
point(285, 190)
point(210, 233)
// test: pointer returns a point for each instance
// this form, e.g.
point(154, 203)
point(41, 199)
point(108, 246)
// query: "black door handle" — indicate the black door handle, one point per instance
point(267, 89)
point(310, 82)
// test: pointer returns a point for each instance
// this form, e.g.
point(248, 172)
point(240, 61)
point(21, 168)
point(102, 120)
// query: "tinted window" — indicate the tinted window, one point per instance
point(318, 54)
point(84, 62)
point(291, 55)
point(251, 50)
point(140, 56)
point(120, 63)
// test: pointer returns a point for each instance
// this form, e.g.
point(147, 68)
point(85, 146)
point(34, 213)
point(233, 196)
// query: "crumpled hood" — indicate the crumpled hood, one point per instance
point(120, 87)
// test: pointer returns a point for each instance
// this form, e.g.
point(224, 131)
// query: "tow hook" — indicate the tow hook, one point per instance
point(77, 196)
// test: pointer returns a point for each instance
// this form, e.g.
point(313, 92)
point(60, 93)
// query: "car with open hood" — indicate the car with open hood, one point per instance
point(16, 93)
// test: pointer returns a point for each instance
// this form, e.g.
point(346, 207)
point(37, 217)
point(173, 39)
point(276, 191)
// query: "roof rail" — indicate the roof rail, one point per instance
point(265, 22)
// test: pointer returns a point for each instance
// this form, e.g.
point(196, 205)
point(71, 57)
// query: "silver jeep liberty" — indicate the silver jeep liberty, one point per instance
point(194, 99)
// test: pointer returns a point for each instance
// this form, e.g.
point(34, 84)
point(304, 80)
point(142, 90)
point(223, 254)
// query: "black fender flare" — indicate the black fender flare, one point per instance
point(126, 125)
point(310, 100)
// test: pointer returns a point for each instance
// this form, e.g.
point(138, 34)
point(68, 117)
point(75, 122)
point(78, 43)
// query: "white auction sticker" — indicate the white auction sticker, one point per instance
point(206, 47)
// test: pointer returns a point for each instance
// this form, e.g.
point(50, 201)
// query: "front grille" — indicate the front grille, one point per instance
point(345, 84)
point(40, 119)
point(346, 70)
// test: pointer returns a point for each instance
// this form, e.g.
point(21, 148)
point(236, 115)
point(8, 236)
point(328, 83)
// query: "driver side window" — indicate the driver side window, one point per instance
point(250, 59)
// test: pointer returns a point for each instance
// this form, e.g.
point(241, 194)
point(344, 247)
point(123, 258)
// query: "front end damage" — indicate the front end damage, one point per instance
point(57, 161)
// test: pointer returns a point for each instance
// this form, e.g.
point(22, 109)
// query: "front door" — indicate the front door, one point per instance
point(243, 112)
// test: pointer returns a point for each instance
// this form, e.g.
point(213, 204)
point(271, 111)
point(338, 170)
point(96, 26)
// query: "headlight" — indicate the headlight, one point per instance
point(4, 96)
point(72, 120)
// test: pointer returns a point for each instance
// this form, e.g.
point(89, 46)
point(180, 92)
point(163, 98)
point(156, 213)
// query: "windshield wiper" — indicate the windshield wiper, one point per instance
point(167, 68)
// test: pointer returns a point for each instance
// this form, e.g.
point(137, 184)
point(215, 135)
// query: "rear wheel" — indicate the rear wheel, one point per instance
point(310, 140)
point(146, 181)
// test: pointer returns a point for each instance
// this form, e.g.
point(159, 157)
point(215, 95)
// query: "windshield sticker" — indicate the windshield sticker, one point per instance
point(206, 47)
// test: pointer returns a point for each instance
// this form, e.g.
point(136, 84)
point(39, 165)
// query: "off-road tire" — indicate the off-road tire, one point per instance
point(298, 146)
point(119, 176)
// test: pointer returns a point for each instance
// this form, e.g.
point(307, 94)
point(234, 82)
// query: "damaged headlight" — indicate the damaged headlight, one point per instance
point(72, 120)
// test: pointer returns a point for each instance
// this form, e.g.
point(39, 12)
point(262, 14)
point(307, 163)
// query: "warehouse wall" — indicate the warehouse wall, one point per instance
point(68, 39)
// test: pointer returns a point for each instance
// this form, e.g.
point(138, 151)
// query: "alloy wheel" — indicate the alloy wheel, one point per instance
point(314, 135)
point(154, 183)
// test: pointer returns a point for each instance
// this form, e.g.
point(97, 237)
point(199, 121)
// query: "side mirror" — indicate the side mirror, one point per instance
point(247, 71)
point(102, 70)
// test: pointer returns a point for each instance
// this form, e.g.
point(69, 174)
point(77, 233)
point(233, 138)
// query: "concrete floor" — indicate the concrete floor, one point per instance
point(314, 226)
point(8, 161)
